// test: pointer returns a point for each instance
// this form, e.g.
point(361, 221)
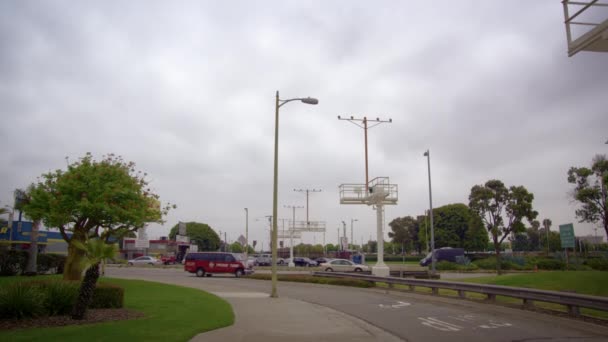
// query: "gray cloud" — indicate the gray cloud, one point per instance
point(187, 92)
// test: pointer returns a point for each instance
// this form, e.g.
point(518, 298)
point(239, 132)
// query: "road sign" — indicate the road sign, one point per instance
point(193, 248)
point(566, 234)
point(142, 243)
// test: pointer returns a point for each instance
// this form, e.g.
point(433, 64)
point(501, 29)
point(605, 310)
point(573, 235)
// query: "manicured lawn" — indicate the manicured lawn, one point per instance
point(173, 313)
point(583, 282)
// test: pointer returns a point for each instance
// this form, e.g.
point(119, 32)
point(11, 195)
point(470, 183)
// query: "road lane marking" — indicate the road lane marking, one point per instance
point(241, 294)
point(399, 304)
point(434, 323)
point(494, 325)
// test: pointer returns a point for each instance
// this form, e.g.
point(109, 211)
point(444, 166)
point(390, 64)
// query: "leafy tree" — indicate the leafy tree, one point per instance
point(555, 242)
point(521, 243)
point(205, 238)
point(236, 247)
point(591, 191)
point(405, 231)
point(105, 198)
point(456, 226)
point(331, 248)
point(493, 202)
point(95, 250)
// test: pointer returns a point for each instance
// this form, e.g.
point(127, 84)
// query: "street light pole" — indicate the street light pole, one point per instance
point(291, 231)
point(278, 104)
point(428, 155)
point(352, 241)
point(246, 233)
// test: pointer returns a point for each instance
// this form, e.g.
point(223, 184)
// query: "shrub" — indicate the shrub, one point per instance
point(12, 262)
point(316, 280)
point(550, 264)
point(60, 297)
point(107, 296)
point(22, 300)
point(600, 264)
point(490, 264)
point(446, 266)
point(51, 262)
point(463, 260)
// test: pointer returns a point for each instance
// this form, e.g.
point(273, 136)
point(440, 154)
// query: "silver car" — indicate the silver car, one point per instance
point(343, 265)
point(145, 260)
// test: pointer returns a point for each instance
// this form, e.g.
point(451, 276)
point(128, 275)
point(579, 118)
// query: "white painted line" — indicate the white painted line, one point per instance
point(494, 325)
point(241, 294)
point(394, 306)
point(439, 325)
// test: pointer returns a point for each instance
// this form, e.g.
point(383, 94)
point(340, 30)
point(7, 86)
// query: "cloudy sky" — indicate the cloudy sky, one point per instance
point(186, 90)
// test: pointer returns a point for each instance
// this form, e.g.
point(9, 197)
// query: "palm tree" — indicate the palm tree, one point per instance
point(22, 199)
point(95, 251)
point(547, 224)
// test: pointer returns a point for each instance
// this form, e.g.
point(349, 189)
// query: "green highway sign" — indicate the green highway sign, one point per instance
point(566, 234)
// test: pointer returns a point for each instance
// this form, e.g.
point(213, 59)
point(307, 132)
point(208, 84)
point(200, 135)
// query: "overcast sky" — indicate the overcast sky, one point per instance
point(186, 91)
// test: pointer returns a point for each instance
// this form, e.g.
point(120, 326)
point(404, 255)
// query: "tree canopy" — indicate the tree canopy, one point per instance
point(105, 199)
point(203, 235)
point(590, 191)
point(493, 202)
point(405, 231)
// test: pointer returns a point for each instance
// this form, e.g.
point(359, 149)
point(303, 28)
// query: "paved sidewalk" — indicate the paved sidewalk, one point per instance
point(260, 318)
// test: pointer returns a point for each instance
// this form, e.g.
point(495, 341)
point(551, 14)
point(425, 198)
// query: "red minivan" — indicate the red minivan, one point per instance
point(207, 263)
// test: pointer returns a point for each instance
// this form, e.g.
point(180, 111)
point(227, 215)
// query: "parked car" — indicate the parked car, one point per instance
point(144, 260)
point(250, 262)
point(208, 263)
point(263, 260)
point(306, 262)
point(443, 254)
point(343, 265)
point(168, 260)
point(322, 260)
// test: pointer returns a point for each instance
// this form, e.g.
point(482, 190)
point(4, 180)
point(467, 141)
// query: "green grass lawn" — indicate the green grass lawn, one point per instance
point(172, 313)
point(583, 282)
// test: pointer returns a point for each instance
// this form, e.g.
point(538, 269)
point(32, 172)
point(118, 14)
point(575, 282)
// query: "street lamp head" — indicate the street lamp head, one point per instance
point(426, 153)
point(310, 100)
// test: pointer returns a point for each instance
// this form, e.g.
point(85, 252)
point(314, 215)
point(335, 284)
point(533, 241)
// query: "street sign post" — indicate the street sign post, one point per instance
point(566, 235)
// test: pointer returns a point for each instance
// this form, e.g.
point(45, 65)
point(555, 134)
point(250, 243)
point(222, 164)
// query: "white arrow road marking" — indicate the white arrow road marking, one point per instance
point(394, 306)
point(439, 325)
point(493, 325)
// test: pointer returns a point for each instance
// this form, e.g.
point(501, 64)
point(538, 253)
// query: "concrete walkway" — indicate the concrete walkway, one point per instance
point(261, 318)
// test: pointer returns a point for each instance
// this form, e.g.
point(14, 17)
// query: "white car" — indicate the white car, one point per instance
point(343, 265)
point(144, 260)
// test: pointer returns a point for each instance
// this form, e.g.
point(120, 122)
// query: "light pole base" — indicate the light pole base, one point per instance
point(381, 271)
point(291, 264)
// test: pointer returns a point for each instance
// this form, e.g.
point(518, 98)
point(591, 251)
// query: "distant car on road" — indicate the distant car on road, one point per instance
point(207, 263)
point(343, 265)
point(443, 254)
point(144, 260)
point(306, 262)
point(263, 260)
point(168, 260)
point(322, 260)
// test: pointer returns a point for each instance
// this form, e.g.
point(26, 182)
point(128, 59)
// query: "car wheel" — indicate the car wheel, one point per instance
point(200, 272)
point(238, 273)
point(130, 264)
point(281, 262)
point(151, 263)
point(358, 269)
point(328, 269)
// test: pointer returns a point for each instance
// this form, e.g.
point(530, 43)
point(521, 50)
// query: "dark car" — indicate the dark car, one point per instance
point(322, 260)
point(443, 254)
point(306, 262)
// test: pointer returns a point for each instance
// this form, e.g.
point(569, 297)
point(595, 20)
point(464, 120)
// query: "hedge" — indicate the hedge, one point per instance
point(14, 262)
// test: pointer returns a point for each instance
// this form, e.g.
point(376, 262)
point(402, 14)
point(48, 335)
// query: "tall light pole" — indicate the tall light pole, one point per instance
point(291, 231)
point(344, 236)
point(246, 233)
point(427, 154)
point(278, 104)
point(352, 241)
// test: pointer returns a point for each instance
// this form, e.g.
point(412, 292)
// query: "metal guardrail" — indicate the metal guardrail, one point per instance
point(572, 301)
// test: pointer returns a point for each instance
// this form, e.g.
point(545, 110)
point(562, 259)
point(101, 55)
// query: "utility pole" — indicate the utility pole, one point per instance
point(292, 230)
point(344, 227)
point(427, 154)
point(307, 191)
point(246, 233)
point(270, 225)
point(364, 125)
point(352, 239)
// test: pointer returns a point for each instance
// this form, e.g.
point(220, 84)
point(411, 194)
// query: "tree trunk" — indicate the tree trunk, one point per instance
point(85, 295)
point(73, 264)
point(31, 269)
point(497, 250)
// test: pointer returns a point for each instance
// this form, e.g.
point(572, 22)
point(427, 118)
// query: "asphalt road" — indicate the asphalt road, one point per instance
point(411, 317)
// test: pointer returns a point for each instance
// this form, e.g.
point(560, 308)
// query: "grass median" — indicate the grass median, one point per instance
point(306, 278)
point(172, 313)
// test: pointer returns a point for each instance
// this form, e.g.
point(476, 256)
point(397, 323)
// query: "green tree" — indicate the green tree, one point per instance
point(493, 202)
point(591, 191)
point(405, 232)
point(105, 198)
point(455, 225)
point(205, 238)
point(236, 247)
point(94, 250)
point(331, 248)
